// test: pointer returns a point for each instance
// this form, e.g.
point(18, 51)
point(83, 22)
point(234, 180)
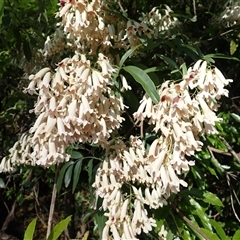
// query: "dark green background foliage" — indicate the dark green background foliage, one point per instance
point(209, 208)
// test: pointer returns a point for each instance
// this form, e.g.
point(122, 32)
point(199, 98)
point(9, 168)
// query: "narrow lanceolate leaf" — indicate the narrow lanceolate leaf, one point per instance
point(235, 117)
point(201, 214)
point(141, 77)
point(59, 228)
point(76, 174)
point(68, 175)
point(168, 60)
point(30, 230)
point(61, 174)
point(128, 54)
point(219, 229)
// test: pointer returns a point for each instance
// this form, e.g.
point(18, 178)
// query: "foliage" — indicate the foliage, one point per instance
point(203, 31)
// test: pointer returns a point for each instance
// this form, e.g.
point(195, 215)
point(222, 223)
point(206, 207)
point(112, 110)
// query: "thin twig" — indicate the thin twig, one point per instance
point(52, 206)
point(212, 149)
point(188, 221)
point(234, 154)
point(214, 159)
point(231, 197)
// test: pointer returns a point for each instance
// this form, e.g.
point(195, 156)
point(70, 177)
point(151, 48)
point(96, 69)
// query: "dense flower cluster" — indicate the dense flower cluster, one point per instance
point(80, 102)
point(179, 117)
point(231, 14)
point(76, 104)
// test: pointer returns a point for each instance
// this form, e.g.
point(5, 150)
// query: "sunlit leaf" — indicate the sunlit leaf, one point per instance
point(219, 229)
point(141, 77)
point(235, 117)
point(236, 236)
point(212, 199)
point(28, 235)
point(233, 47)
point(59, 228)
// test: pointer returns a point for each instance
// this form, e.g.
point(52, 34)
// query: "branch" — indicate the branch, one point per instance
point(192, 225)
point(52, 206)
point(233, 153)
point(231, 197)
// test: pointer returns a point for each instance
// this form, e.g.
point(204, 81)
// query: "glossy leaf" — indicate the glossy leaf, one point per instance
point(235, 117)
point(201, 214)
point(212, 199)
point(210, 234)
point(236, 236)
point(128, 54)
point(68, 175)
point(61, 174)
point(76, 173)
point(141, 77)
point(59, 229)
point(76, 155)
point(28, 235)
point(217, 226)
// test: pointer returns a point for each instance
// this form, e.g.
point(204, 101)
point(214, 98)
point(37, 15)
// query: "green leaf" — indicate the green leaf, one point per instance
point(210, 234)
point(235, 117)
point(212, 199)
point(141, 77)
point(1, 10)
point(199, 211)
point(218, 229)
point(152, 69)
point(183, 67)
point(61, 174)
point(127, 55)
point(220, 55)
point(236, 235)
point(100, 220)
point(76, 174)
point(28, 235)
point(168, 60)
point(68, 175)
point(59, 228)
point(2, 184)
point(76, 155)
point(233, 47)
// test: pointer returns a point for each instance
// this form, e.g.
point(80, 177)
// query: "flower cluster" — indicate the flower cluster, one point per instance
point(76, 104)
point(152, 174)
point(150, 25)
point(231, 14)
point(83, 21)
